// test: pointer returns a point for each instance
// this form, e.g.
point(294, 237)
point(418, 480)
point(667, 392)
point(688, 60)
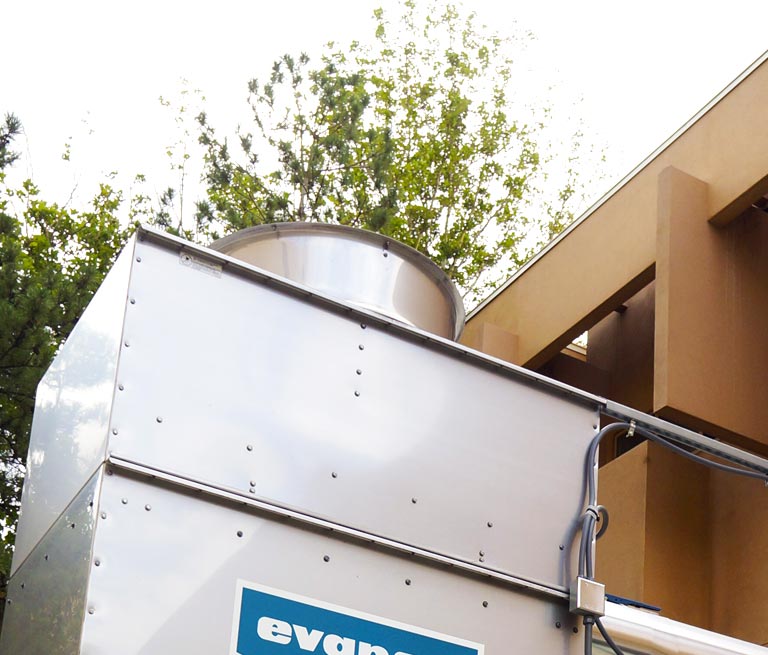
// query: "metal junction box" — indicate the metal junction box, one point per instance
point(221, 457)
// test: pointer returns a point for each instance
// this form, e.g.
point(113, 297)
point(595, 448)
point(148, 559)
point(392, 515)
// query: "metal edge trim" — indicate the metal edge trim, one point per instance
point(621, 183)
point(414, 334)
point(687, 437)
point(236, 497)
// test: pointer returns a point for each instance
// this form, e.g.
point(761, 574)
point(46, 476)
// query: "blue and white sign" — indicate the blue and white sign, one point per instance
point(273, 622)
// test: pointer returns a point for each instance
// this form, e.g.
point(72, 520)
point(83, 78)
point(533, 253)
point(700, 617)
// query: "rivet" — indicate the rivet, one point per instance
point(561, 547)
point(326, 558)
point(148, 507)
point(159, 419)
point(408, 581)
point(133, 301)
point(253, 483)
point(482, 559)
point(249, 447)
point(103, 515)
point(239, 533)
point(114, 430)
point(363, 325)
point(127, 344)
point(361, 347)
point(558, 625)
point(357, 394)
point(97, 562)
point(490, 524)
point(252, 490)
point(138, 259)
point(575, 630)
point(91, 610)
point(121, 387)
point(485, 603)
point(359, 371)
point(482, 553)
point(124, 501)
point(334, 475)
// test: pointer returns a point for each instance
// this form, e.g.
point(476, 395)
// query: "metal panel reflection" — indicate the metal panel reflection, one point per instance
point(188, 607)
point(72, 406)
point(232, 382)
point(46, 596)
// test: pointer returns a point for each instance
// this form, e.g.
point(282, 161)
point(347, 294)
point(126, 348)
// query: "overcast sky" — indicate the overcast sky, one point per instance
point(94, 71)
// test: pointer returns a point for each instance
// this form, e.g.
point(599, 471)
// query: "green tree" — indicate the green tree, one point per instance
point(52, 260)
point(415, 137)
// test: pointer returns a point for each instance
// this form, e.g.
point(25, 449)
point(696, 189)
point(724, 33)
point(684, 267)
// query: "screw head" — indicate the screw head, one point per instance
point(575, 630)
point(121, 387)
point(252, 490)
point(363, 325)
point(148, 507)
point(159, 419)
point(114, 430)
point(334, 474)
point(133, 301)
point(326, 558)
point(490, 524)
point(249, 448)
point(239, 533)
point(97, 562)
point(357, 394)
point(359, 371)
point(558, 625)
point(414, 500)
point(408, 581)
point(482, 553)
point(253, 483)
point(561, 547)
point(124, 501)
point(138, 259)
point(127, 344)
point(361, 347)
point(485, 603)
point(103, 515)
point(91, 610)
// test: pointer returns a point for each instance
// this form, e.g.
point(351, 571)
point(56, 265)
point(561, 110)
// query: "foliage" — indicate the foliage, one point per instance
point(417, 137)
point(52, 260)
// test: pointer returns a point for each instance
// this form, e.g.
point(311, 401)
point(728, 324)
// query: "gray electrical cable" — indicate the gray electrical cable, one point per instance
point(589, 520)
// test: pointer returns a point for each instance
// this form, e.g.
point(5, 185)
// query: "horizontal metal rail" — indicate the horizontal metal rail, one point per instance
point(236, 497)
point(687, 437)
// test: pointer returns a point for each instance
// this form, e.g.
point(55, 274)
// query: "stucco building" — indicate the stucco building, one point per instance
point(669, 275)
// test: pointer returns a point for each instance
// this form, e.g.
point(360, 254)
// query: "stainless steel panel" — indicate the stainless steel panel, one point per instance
point(229, 381)
point(356, 266)
point(170, 564)
point(74, 398)
point(46, 596)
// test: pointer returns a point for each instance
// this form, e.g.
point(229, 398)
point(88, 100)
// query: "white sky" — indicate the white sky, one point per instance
point(94, 71)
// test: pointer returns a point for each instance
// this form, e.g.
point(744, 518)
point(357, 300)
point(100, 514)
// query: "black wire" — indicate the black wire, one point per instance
point(608, 639)
point(586, 563)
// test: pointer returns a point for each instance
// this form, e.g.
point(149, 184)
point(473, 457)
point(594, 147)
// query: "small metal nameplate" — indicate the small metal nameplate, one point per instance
point(200, 264)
